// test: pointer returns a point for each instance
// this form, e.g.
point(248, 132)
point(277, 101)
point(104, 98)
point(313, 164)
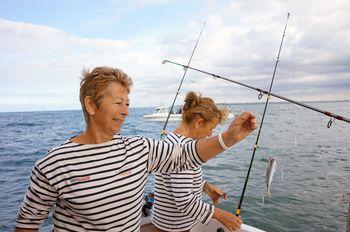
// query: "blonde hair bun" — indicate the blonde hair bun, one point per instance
point(191, 100)
point(195, 105)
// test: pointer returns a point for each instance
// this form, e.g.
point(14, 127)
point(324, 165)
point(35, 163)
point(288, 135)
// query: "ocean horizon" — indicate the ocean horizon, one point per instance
point(219, 103)
point(310, 189)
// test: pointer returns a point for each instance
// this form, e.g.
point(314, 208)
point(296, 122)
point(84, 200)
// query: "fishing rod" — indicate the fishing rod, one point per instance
point(178, 90)
point(262, 92)
point(238, 210)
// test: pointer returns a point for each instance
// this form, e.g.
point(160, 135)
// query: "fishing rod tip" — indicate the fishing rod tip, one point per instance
point(164, 61)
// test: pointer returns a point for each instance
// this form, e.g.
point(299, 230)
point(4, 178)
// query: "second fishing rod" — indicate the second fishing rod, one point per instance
point(332, 116)
point(182, 80)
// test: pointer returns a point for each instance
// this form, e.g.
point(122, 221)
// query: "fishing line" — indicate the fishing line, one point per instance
point(178, 90)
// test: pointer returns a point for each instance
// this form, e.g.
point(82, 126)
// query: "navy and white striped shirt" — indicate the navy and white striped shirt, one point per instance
point(98, 187)
point(178, 204)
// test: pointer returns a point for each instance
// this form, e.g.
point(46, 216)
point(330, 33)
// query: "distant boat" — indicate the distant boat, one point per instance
point(229, 114)
point(160, 114)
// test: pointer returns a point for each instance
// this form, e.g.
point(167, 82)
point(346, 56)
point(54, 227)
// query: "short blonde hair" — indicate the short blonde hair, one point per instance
point(94, 84)
point(203, 106)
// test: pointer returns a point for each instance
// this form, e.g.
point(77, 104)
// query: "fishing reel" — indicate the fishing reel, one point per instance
point(146, 208)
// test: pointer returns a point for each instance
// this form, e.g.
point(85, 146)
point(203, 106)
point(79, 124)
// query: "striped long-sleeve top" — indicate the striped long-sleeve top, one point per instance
point(178, 204)
point(98, 187)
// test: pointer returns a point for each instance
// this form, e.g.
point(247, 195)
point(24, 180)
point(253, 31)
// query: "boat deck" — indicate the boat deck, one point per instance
point(214, 225)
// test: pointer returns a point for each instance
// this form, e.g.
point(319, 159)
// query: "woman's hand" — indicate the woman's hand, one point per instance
point(214, 193)
point(229, 220)
point(241, 127)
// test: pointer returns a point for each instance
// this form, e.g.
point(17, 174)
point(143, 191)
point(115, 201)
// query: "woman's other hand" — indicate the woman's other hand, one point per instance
point(214, 192)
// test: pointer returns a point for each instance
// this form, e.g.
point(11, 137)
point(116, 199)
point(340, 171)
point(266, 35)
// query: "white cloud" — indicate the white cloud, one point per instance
point(240, 41)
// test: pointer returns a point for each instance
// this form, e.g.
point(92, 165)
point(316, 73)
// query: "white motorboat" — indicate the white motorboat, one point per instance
point(229, 115)
point(161, 114)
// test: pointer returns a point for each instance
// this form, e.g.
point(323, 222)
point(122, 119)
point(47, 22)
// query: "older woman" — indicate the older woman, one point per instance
point(178, 204)
point(95, 181)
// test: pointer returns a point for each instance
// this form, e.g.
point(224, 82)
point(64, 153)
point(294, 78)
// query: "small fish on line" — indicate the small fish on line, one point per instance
point(270, 171)
point(271, 168)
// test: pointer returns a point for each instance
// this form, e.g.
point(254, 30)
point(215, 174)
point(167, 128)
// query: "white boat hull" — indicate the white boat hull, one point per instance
point(163, 117)
point(161, 114)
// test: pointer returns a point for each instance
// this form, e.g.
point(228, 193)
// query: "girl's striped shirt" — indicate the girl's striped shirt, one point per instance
point(98, 187)
point(178, 204)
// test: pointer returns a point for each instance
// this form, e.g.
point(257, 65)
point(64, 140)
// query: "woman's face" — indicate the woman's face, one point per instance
point(113, 109)
point(205, 129)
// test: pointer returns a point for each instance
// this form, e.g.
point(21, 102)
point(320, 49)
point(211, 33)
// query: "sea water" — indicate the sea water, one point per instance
point(309, 190)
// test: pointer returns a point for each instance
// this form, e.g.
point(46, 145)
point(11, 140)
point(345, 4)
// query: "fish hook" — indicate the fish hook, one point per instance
point(330, 122)
point(260, 95)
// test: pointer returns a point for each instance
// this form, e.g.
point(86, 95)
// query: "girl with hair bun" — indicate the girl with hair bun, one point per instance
point(178, 204)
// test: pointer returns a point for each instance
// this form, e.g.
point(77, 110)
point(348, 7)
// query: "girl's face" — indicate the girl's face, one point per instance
point(204, 129)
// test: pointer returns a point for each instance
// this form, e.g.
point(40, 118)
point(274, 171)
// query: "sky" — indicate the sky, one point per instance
point(45, 45)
